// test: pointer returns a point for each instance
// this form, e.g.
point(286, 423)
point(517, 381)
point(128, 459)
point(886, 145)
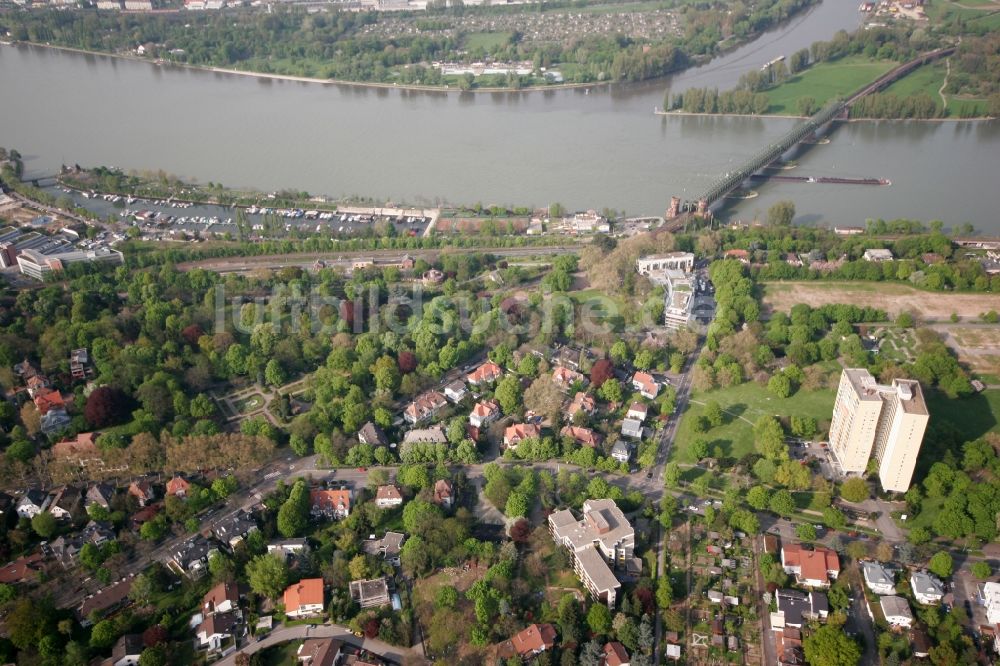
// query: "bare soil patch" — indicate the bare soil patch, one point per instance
point(891, 297)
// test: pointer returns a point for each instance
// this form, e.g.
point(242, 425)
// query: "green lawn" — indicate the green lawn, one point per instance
point(971, 417)
point(927, 79)
point(487, 40)
point(749, 401)
point(825, 81)
point(280, 655)
point(965, 107)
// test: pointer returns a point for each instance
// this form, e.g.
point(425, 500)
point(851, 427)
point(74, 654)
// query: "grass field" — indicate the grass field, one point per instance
point(889, 296)
point(487, 40)
point(927, 79)
point(825, 81)
point(745, 404)
point(971, 417)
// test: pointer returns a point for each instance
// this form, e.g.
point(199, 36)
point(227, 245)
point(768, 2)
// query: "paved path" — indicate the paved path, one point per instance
point(284, 634)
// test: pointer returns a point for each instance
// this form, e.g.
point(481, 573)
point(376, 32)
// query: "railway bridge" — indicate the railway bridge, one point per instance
point(808, 130)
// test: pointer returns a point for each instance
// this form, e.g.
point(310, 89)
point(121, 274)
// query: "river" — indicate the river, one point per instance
point(597, 148)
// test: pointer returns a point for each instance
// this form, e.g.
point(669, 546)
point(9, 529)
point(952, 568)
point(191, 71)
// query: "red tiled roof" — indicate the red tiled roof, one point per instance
point(646, 381)
point(425, 404)
point(615, 654)
point(82, 445)
point(515, 433)
point(388, 493)
point(565, 376)
point(49, 399)
point(307, 592)
point(533, 639)
point(20, 569)
point(487, 372)
point(581, 435)
point(331, 499)
point(814, 564)
point(178, 484)
point(486, 409)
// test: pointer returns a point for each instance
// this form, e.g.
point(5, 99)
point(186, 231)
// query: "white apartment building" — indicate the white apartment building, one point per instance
point(674, 261)
point(603, 537)
point(885, 421)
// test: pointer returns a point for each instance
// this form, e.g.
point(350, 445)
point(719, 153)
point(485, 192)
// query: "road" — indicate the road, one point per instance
point(346, 259)
point(301, 632)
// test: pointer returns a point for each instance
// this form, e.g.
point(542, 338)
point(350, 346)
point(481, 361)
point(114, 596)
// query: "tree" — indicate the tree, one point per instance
point(293, 517)
point(544, 397)
point(780, 385)
point(672, 474)
point(44, 524)
point(274, 374)
point(713, 413)
point(830, 646)
point(153, 656)
point(981, 570)
point(941, 564)
point(358, 567)
point(268, 575)
point(781, 214)
point(103, 635)
point(782, 503)
point(601, 371)
point(107, 406)
point(854, 490)
point(805, 532)
point(599, 619)
point(508, 394)
point(611, 391)
point(806, 105)
point(758, 497)
point(517, 505)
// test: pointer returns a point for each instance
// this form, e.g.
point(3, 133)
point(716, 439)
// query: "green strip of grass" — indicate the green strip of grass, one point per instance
point(826, 81)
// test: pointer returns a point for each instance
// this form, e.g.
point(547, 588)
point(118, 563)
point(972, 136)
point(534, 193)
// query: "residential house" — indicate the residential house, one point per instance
point(389, 547)
point(487, 373)
point(432, 435)
point(878, 578)
point(144, 515)
point(111, 598)
point(79, 364)
point(644, 383)
point(444, 493)
point(54, 420)
point(37, 384)
point(921, 642)
point(519, 432)
point(126, 651)
point(564, 378)
point(715, 596)
point(370, 593)
point(330, 503)
point(813, 568)
point(97, 532)
point(602, 538)
point(927, 589)
point(797, 608)
point(456, 391)
point(433, 276)
point(304, 598)
point(740, 255)
point(223, 598)
point(319, 652)
point(637, 411)
point(388, 496)
point(215, 630)
point(425, 406)
point(48, 399)
point(991, 599)
point(616, 655)
point(484, 413)
point(32, 503)
point(288, 547)
point(897, 611)
point(372, 435)
point(878, 255)
point(233, 529)
point(142, 491)
point(530, 641)
point(22, 569)
point(100, 494)
point(68, 501)
point(582, 402)
point(622, 451)
point(581, 435)
point(191, 557)
point(632, 428)
point(178, 486)
point(26, 370)
point(82, 451)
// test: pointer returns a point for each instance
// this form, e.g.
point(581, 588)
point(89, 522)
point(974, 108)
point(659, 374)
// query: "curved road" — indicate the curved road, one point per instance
point(283, 634)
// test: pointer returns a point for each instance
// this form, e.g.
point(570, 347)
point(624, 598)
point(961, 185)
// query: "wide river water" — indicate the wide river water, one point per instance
point(598, 148)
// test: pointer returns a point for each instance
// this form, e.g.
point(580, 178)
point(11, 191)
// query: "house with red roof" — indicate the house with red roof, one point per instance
point(564, 377)
point(424, 406)
point(616, 655)
point(530, 641)
point(304, 598)
point(741, 255)
point(330, 503)
point(644, 383)
point(387, 497)
point(47, 399)
point(487, 373)
point(812, 568)
point(581, 435)
point(444, 493)
point(178, 486)
point(484, 413)
point(518, 432)
point(581, 403)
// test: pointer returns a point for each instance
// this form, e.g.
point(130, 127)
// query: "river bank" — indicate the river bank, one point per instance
point(660, 112)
